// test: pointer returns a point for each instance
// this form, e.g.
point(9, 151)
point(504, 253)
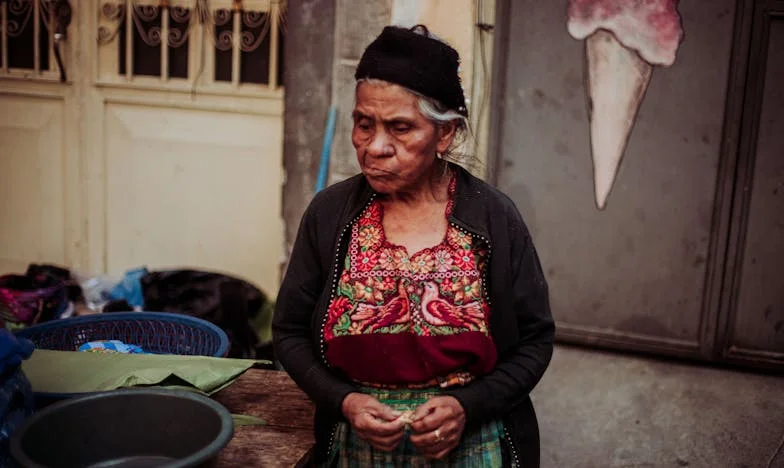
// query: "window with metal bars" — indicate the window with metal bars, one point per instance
point(26, 38)
point(204, 43)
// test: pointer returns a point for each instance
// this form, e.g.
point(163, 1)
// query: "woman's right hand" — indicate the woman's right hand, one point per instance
point(378, 424)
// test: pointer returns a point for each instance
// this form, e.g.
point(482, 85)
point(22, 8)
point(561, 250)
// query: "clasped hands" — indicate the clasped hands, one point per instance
point(436, 426)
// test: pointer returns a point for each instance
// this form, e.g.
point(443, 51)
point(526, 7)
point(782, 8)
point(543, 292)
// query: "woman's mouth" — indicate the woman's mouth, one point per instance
point(375, 172)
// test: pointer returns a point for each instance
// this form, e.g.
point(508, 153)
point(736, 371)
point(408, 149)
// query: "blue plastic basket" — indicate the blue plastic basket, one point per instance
point(155, 332)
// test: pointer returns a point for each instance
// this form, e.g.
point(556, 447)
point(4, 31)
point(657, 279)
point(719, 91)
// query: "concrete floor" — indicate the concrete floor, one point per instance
point(599, 409)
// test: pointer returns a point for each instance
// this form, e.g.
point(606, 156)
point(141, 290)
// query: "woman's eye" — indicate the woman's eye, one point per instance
point(401, 128)
point(364, 126)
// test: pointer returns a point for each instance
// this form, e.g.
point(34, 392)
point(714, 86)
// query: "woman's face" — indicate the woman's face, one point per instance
point(396, 145)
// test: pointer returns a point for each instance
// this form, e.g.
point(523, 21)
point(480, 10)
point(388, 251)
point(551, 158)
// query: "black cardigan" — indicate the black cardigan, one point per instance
point(520, 323)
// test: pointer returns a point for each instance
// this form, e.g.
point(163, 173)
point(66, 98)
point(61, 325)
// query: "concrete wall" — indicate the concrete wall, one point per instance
point(308, 80)
point(356, 25)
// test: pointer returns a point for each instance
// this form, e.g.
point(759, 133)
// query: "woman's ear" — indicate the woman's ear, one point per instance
point(446, 134)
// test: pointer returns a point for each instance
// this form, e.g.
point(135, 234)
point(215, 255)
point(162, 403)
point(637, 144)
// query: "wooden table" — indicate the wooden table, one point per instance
point(274, 397)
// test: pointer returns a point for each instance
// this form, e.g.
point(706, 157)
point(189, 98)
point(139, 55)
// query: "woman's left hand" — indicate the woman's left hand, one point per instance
point(438, 426)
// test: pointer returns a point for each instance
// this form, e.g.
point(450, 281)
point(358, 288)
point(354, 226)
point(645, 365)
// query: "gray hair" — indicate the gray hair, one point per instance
point(440, 115)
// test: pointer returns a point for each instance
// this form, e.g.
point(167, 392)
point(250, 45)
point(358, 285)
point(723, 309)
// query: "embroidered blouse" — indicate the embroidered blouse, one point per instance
point(405, 321)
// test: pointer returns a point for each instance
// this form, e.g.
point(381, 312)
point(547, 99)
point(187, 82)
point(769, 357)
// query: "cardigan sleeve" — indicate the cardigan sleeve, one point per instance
point(292, 324)
point(517, 371)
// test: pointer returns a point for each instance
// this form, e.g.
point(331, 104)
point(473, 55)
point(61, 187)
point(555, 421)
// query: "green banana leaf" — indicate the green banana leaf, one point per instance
point(247, 420)
point(73, 372)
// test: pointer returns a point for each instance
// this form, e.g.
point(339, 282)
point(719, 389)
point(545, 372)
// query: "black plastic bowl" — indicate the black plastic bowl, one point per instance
point(124, 428)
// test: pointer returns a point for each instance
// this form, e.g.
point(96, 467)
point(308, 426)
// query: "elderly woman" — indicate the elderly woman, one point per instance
point(414, 311)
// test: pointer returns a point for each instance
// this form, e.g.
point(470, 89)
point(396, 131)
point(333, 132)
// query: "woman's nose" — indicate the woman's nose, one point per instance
point(380, 145)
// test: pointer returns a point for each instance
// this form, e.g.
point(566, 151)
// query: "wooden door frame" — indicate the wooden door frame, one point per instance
point(746, 113)
point(498, 87)
point(725, 243)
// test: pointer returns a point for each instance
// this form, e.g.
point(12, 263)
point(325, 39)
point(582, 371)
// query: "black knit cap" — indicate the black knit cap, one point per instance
point(415, 61)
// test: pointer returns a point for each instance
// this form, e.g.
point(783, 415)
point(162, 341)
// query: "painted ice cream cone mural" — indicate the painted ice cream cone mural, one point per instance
point(624, 40)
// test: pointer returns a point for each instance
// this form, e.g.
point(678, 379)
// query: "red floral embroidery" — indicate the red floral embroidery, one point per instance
point(368, 291)
point(372, 215)
point(367, 260)
point(443, 261)
point(463, 259)
point(369, 236)
point(438, 291)
point(423, 263)
point(345, 277)
point(402, 262)
point(466, 289)
point(388, 283)
point(386, 261)
point(459, 239)
point(339, 306)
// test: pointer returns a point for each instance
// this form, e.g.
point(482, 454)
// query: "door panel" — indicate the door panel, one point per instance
point(190, 187)
point(757, 328)
point(634, 274)
point(32, 185)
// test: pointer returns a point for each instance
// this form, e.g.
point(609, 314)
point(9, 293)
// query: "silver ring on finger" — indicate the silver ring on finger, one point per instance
point(438, 436)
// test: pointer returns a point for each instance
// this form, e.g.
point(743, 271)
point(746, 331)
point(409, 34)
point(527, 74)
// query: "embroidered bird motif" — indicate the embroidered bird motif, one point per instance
point(439, 312)
point(394, 312)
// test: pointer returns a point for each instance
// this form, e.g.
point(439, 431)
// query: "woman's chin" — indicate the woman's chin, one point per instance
point(380, 184)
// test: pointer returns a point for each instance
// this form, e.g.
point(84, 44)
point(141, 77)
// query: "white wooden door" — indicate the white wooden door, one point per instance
point(38, 142)
point(179, 162)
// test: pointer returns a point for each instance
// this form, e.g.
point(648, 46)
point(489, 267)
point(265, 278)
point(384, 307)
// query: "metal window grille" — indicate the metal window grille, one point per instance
point(202, 44)
point(26, 38)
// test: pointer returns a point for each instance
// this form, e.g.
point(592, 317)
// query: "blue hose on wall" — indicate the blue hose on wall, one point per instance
point(326, 149)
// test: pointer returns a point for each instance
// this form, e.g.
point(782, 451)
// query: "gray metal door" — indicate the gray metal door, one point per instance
point(649, 272)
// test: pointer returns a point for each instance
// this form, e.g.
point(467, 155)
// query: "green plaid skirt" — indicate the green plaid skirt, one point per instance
point(480, 448)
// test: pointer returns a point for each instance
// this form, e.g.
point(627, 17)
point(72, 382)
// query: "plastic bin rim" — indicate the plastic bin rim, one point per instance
point(223, 346)
point(222, 439)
